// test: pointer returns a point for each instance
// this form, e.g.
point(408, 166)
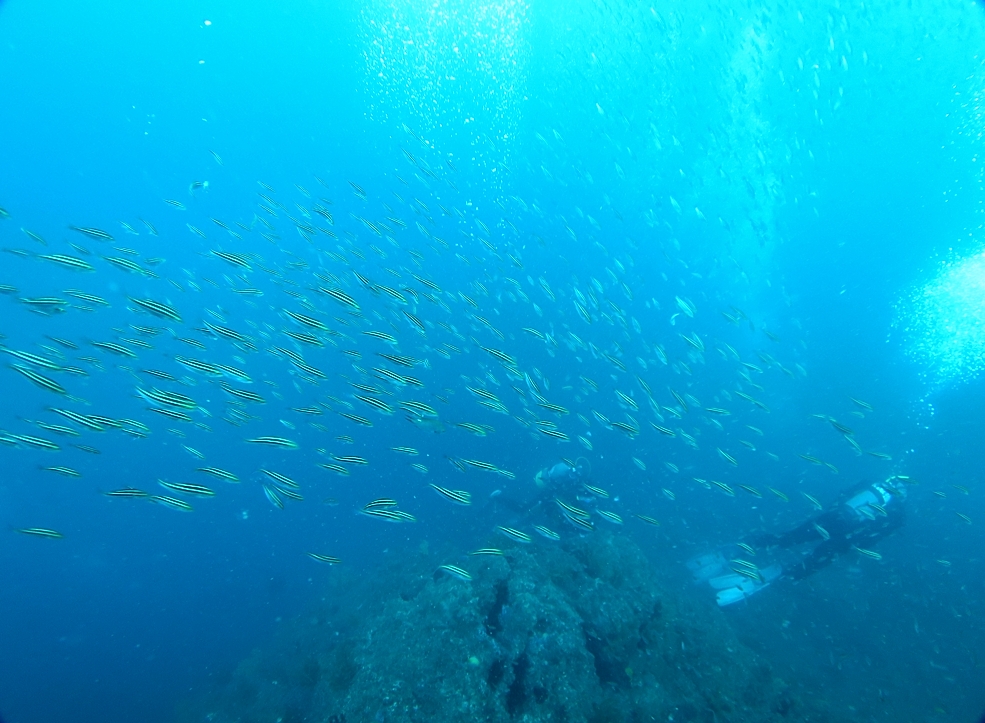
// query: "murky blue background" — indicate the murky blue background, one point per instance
point(815, 166)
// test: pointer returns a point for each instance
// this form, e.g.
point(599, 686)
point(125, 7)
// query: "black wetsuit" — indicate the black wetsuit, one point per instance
point(528, 502)
point(845, 529)
point(564, 487)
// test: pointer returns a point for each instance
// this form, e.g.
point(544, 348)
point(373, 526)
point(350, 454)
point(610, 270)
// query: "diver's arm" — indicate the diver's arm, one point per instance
point(804, 532)
point(819, 558)
point(807, 531)
point(876, 530)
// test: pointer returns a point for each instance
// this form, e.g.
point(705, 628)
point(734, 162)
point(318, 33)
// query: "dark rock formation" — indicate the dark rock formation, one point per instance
point(574, 632)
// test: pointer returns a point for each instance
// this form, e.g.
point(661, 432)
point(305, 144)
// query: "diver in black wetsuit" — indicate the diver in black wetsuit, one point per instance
point(563, 477)
point(857, 520)
point(526, 502)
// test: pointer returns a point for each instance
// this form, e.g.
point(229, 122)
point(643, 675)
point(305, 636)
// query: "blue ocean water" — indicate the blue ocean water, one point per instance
point(772, 210)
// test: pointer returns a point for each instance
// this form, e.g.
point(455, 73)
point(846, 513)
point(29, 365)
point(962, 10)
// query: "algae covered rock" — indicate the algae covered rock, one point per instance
point(573, 632)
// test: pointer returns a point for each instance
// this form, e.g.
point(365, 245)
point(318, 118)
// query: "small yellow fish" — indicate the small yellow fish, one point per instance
point(813, 500)
point(868, 553)
point(455, 571)
point(41, 532)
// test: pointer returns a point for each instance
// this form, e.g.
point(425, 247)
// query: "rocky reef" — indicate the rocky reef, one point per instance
point(572, 632)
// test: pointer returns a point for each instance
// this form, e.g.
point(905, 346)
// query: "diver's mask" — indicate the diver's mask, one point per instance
point(583, 468)
point(895, 486)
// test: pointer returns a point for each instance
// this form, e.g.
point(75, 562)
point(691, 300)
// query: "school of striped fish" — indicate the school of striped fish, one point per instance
point(406, 318)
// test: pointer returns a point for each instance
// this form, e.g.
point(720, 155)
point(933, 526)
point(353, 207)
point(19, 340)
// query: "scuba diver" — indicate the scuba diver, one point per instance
point(558, 486)
point(859, 518)
point(563, 480)
point(564, 476)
